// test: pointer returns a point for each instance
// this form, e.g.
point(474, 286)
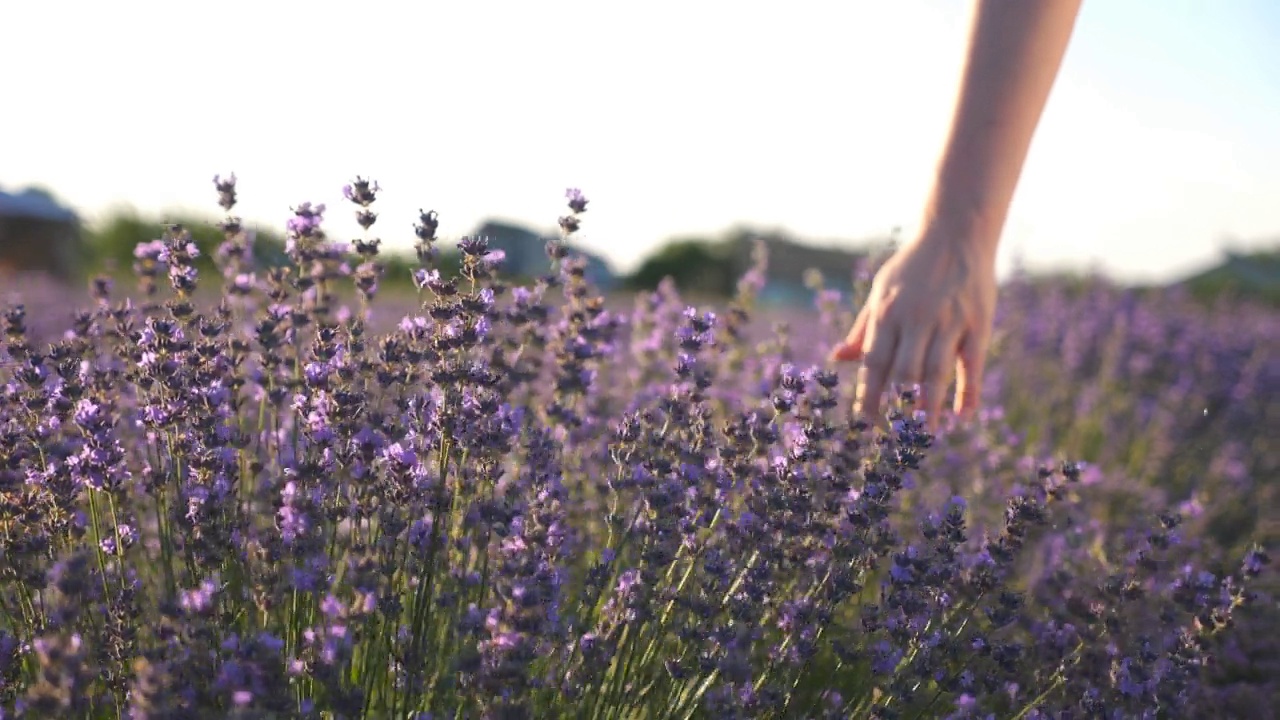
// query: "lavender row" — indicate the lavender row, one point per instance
point(528, 502)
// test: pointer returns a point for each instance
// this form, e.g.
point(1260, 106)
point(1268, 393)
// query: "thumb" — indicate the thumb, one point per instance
point(850, 349)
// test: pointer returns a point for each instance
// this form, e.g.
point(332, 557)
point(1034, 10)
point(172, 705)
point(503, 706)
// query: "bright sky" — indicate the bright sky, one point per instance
point(675, 117)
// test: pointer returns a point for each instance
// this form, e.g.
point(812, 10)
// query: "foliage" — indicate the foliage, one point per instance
point(110, 246)
point(1251, 277)
point(112, 243)
point(693, 265)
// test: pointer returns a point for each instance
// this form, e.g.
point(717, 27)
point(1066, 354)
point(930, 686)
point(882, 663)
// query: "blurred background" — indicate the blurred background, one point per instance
point(695, 128)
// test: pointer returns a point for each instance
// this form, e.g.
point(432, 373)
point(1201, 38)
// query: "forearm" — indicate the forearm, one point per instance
point(1015, 50)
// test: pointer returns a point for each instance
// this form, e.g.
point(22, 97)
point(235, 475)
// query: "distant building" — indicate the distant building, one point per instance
point(527, 255)
point(37, 235)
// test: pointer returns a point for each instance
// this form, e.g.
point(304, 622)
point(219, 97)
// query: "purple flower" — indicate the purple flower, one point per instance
point(306, 221)
point(362, 192)
point(494, 258)
point(577, 201)
point(200, 599)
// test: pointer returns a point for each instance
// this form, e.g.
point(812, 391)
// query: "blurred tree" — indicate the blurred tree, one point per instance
point(1240, 276)
point(696, 266)
point(397, 268)
point(110, 245)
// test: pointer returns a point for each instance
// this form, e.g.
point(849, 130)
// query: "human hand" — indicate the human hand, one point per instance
point(929, 313)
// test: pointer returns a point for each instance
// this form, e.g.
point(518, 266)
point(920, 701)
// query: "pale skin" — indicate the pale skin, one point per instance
point(931, 307)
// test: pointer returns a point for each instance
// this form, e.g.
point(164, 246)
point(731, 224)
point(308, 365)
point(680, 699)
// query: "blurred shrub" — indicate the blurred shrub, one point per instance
point(397, 268)
point(1253, 278)
point(109, 247)
point(696, 266)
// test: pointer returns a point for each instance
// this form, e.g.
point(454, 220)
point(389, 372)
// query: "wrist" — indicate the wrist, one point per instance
point(963, 227)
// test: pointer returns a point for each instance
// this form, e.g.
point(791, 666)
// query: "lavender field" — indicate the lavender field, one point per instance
point(275, 494)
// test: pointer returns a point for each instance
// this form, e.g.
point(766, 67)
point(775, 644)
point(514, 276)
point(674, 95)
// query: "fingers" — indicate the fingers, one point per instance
point(874, 373)
point(904, 354)
point(851, 348)
point(970, 364)
point(909, 356)
point(939, 363)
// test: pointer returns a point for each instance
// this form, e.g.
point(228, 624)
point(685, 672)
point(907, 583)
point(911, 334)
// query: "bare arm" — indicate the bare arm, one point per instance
point(932, 304)
point(1015, 50)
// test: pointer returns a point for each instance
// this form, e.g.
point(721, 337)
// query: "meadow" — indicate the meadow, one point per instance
point(276, 494)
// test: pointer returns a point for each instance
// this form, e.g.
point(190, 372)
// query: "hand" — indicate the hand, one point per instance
point(930, 312)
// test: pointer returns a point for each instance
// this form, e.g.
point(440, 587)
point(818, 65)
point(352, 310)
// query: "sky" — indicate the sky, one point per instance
point(676, 118)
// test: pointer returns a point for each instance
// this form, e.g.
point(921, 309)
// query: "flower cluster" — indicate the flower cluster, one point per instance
point(527, 502)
